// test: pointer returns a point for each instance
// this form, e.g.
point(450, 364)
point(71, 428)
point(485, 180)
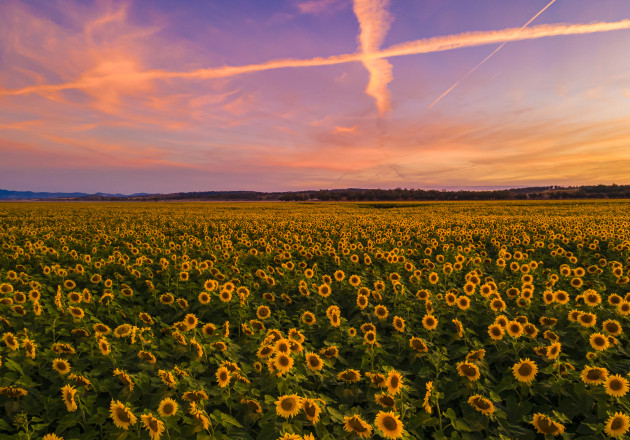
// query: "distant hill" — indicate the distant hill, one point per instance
point(348, 194)
point(30, 195)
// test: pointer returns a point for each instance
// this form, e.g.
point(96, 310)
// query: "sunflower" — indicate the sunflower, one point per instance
point(73, 297)
point(591, 298)
point(594, 375)
point(577, 282)
point(497, 305)
point(167, 407)
point(289, 436)
point(525, 370)
point(394, 382)
point(223, 376)
point(252, 405)
point(423, 295)
point(476, 355)
point(62, 366)
point(122, 330)
point(330, 352)
point(451, 299)
point(385, 400)
point(553, 351)
point(617, 425)
point(426, 403)
point(389, 424)
point(496, 332)
point(468, 370)
point(370, 338)
point(546, 426)
point(381, 312)
point(282, 345)
point(288, 405)
point(80, 380)
point(11, 341)
point(335, 320)
point(599, 341)
point(561, 297)
point(167, 299)
point(616, 385)
point(463, 302)
point(339, 275)
point(122, 416)
point(357, 425)
point(101, 328)
point(612, 327)
point(551, 336)
point(501, 321)
point(587, 319)
point(153, 425)
point(352, 332)
point(52, 437)
point(429, 322)
point(283, 363)
point(481, 404)
point(204, 298)
point(67, 394)
point(324, 290)
point(313, 361)
point(147, 356)
point(225, 295)
point(354, 280)
point(263, 312)
point(547, 322)
point(308, 318)
point(418, 345)
point(514, 329)
point(530, 330)
point(311, 409)
point(167, 378)
point(349, 376)
point(362, 301)
point(368, 326)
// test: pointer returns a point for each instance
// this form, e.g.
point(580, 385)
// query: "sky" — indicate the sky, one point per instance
point(163, 96)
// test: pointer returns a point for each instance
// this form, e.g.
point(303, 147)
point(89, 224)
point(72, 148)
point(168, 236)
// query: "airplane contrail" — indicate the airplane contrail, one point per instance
point(374, 22)
point(427, 45)
point(488, 57)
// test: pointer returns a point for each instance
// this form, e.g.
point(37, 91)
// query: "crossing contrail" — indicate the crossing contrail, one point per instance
point(488, 57)
point(427, 45)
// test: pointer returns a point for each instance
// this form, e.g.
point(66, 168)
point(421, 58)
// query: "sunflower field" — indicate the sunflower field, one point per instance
point(315, 321)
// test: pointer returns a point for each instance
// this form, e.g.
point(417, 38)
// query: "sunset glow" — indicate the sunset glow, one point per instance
point(162, 96)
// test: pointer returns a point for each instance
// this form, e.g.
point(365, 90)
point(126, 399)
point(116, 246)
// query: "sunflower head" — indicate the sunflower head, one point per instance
point(525, 370)
point(616, 385)
point(167, 407)
point(481, 404)
point(544, 425)
point(311, 410)
point(617, 425)
point(121, 415)
point(288, 405)
point(358, 426)
point(389, 424)
point(468, 370)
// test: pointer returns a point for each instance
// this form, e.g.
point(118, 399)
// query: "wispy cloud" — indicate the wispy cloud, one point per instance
point(319, 6)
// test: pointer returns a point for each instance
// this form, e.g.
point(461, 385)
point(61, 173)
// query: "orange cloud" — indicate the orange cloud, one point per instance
point(338, 129)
